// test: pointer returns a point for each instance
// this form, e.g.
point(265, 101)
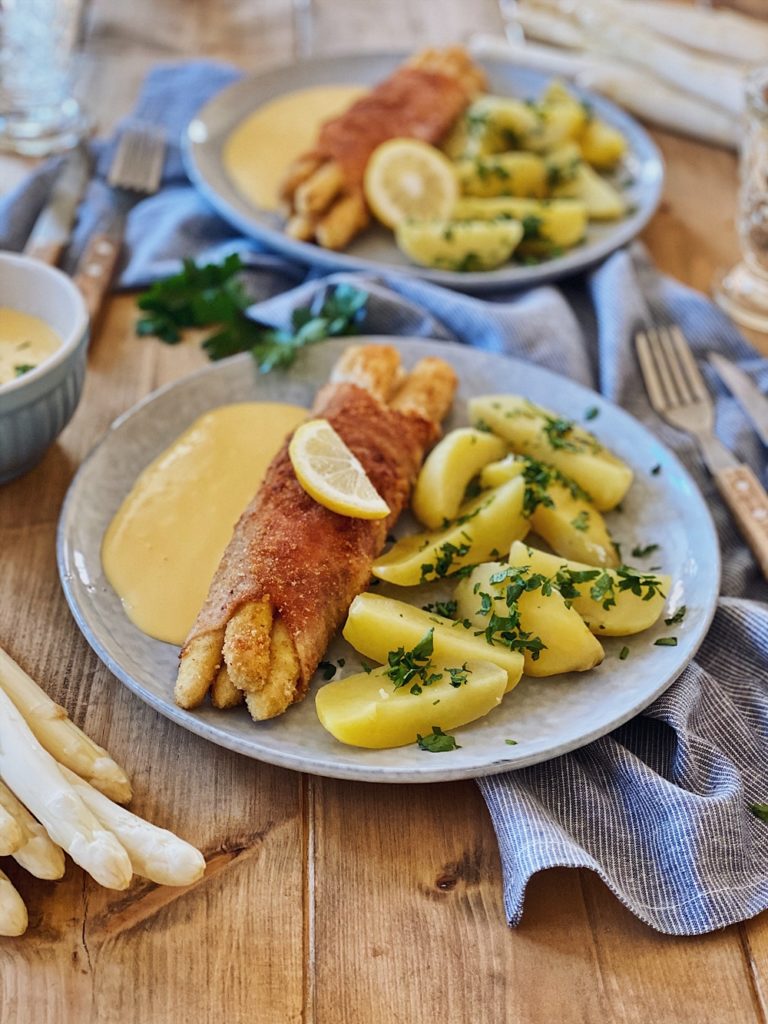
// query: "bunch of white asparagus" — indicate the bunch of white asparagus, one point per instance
point(679, 66)
point(59, 792)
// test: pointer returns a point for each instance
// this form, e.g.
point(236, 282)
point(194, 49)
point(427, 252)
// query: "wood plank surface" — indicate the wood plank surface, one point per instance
point(325, 902)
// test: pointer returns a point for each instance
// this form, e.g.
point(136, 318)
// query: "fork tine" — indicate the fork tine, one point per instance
point(683, 349)
point(138, 161)
point(650, 372)
point(675, 368)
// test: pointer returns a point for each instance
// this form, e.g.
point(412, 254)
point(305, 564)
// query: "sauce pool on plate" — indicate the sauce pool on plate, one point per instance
point(259, 151)
point(163, 546)
point(25, 341)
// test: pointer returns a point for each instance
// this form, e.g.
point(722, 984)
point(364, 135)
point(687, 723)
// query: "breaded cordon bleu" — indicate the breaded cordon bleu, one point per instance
point(322, 190)
point(293, 567)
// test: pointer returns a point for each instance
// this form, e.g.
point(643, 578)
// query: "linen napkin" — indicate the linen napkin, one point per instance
point(660, 808)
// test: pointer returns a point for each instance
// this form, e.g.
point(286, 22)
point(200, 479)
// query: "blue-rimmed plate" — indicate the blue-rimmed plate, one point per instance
point(640, 177)
point(545, 717)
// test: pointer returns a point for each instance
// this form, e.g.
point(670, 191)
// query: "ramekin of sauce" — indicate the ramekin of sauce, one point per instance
point(43, 346)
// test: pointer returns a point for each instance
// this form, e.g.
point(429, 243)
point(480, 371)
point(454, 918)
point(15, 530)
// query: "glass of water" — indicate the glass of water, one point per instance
point(38, 43)
point(743, 291)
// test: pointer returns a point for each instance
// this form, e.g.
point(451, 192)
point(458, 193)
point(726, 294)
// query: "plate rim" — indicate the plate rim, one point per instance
point(575, 261)
point(364, 773)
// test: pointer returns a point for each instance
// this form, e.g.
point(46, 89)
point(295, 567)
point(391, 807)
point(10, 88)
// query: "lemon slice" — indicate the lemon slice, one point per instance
point(331, 474)
point(407, 179)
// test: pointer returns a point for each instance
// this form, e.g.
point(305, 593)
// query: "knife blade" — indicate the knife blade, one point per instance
point(53, 227)
point(743, 388)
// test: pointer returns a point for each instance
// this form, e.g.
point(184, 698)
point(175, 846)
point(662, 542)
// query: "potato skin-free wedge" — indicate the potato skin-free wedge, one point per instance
point(365, 710)
point(571, 524)
point(377, 625)
point(488, 523)
point(541, 434)
point(508, 174)
point(568, 646)
point(630, 614)
point(448, 468)
point(602, 200)
point(460, 245)
point(547, 223)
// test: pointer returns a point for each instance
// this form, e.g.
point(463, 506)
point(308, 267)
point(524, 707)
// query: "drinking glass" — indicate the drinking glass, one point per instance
point(743, 291)
point(38, 43)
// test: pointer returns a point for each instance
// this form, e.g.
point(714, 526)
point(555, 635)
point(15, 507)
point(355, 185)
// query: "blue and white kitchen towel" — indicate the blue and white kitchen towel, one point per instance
point(660, 808)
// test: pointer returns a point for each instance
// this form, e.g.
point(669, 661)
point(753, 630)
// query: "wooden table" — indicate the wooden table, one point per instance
point(326, 902)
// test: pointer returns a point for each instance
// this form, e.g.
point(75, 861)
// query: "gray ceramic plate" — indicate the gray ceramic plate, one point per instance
point(545, 717)
point(641, 174)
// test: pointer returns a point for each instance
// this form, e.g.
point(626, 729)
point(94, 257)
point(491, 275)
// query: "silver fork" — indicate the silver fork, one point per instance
point(136, 171)
point(679, 395)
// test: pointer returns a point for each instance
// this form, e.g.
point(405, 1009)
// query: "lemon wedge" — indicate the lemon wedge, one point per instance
point(407, 179)
point(331, 474)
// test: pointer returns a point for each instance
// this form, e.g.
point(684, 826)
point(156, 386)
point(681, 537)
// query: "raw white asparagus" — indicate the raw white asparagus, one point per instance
point(155, 853)
point(605, 31)
point(550, 26)
point(724, 34)
point(60, 736)
point(630, 87)
point(13, 913)
point(31, 773)
point(38, 854)
point(10, 833)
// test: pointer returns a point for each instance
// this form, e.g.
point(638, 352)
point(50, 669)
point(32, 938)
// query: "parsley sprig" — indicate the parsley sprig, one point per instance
point(437, 741)
point(213, 295)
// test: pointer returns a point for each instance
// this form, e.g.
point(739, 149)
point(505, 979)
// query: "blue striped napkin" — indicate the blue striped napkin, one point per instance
point(660, 808)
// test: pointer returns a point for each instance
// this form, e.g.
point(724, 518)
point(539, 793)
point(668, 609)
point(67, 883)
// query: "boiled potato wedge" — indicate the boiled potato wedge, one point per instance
point(488, 523)
point(459, 245)
point(602, 200)
point(377, 625)
point(539, 433)
point(602, 145)
point(565, 519)
point(566, 645)
point(491, 124)
point(508, 174)
point(630, 614)
point(547, 223)
point(447, 470)
point(366, 710)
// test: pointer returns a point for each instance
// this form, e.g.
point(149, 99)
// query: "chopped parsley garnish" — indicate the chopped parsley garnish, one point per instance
point(445, 608)
point(328, 669)
point(678, 617)
point(21, 368)
point(592, 413)
point(482, 425)
point(760, 811)
point(366, 667)
point(446, 554)
point(473, 488)
point(341, 662)
point(557, 430)
point(623, 654)
point(538, 477)
point(405, 666)
point(458, 676)
point(511, 743)
point(531, 226)
point(581, 521)
point(437, 742)
point(213, 295)
point(506, 629)
point(643, 551)
point(656, 469)
point(665, 641)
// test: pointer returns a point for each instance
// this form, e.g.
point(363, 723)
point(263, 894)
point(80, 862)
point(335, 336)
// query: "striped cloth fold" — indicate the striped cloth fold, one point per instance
point(660, 808)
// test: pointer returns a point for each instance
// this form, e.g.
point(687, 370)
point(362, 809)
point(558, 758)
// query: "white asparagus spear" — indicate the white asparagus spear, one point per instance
point(155, 853)
point(31, 773)
point(722, 33)
point(38, 854)
point(632, 88)
point(60, 736)
point(708, 79)
point(11, 837)
point(13, 913)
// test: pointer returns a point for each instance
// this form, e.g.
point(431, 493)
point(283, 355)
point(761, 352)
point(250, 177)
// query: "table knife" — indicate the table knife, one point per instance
point(53, 227)
point(742, 387)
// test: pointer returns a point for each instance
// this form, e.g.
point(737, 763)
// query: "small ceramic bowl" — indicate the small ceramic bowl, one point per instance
point(36, 407)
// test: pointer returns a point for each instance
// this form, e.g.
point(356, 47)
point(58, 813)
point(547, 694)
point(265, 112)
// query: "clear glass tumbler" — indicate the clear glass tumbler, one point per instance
point(38, 43)
point(743, 291)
